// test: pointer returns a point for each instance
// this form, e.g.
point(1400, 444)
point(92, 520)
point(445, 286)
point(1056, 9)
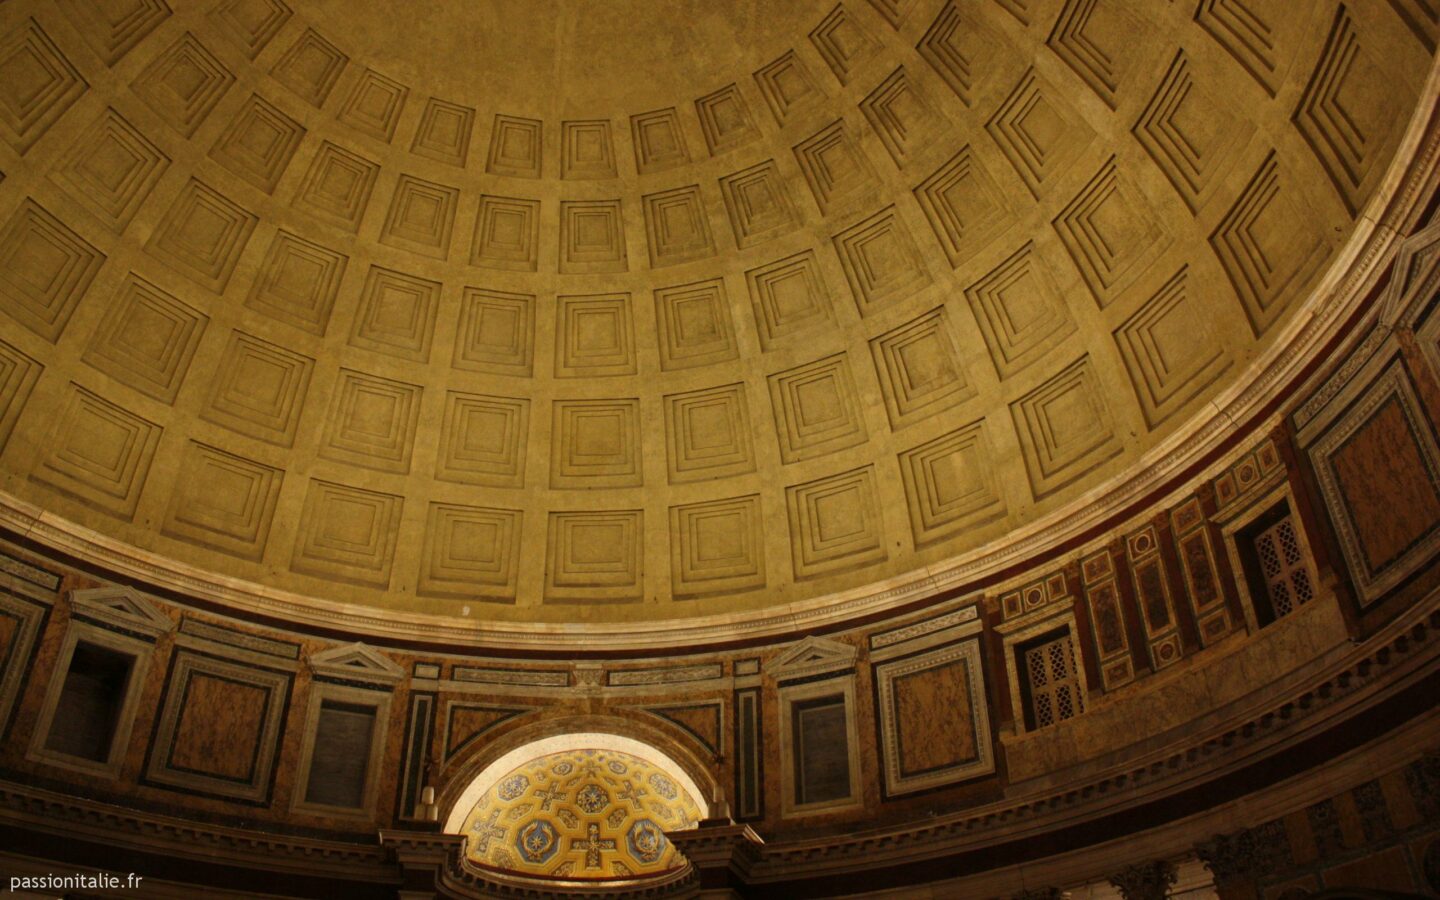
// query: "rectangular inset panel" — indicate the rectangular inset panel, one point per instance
point(843, 43)
point(298, 282)
point(788, 297)
point(749, 793)
point(443, 132)
point(310, 67)
point(422, 215)
point(1169, 349)
point(114, 30)
point(786, 84)
point(1096, 38)
point(251, 23)
point(594, 335)
point(515, 147)
point(934, 725)
point(1021, 315)
point(677, 228)
point(595, 443)
point(659, 143)
point(963, 206)
point(338, 186)
point(37, 85)
point(18, 374)
point(1038, 134)
point(183, 84)
point(340, 762)
point(881, 261)
point(592, 236)
point(1111, 233)
point(259, 143)
point(587, 149)
point(725, 120)
point(371, 422)
point(835, 167)
point(902, 118)
point(919, 369)
point(758, 204)
point(374, 105)
point(218, 729)
point(507, 234)
point(396, 314)
point(146, 339)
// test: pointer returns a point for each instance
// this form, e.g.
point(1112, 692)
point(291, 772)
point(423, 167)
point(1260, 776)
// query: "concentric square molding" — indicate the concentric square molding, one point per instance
point(816, 409)
point(963, 205)
point(471, 552)
point(587, 150)
point(515, 147)
point(259, 389)
point(421, 217)
point(708, 434)
point(310, 67)
point(184, 84)
point(39, 87)
point(223, 501)
point(881, 261)
point(1020, 311)
point(496, 332)
point(594, 335)
point(789, 297)
point(115, 32)
point(786, 84)
point(112, 169)
point(1038, 134)
point(443, 132)
point(99, 452)
point(374, 105)
point(837, 170)
point(218, 730)
point(45, 268)
point(259, 143)
point(146, 339)
point(1065, 428)
point(372, 422)
point(725, 120)
point(919, 369)
point(596, 443)
point(396, 314)
point(694, 326)
point(592, 236)
point(758, 203)
point(338, 186)
point(903, 119)
point(18, 375)
point(202, 235)
point(298, 282)
point(933, 718)
point(347, 534)
point(950, 483)
point(677, 228)
point(835, 524)
point(717, 547)
point(659, 142)
point(843, 43)
point(1170, 350)
point(507, 234)
point(1111, 232)
point(251, 23)
point(595, 556)
point(483, 440)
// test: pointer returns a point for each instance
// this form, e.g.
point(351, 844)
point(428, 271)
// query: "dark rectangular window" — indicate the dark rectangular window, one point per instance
point(90, 700)
point(1049, 679)
point(1276, 569)
point(341, 755)
point(822, 750)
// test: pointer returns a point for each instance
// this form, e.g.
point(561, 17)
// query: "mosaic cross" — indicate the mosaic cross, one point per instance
point(484, 831)
point(592, 845)
point(632, 793)
point(548, 794)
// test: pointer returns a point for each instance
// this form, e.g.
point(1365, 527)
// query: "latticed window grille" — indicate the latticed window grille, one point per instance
point(1282, 562)
point(1054, 681)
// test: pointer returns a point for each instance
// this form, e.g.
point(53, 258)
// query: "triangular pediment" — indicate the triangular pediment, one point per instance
point(121, 607)
point(812, 655)
point(1415, 274)
point(357, 662)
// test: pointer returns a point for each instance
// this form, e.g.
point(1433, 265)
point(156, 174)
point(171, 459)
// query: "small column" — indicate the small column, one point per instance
point(1239, 858)
point(722, 853)
point(1145, 881)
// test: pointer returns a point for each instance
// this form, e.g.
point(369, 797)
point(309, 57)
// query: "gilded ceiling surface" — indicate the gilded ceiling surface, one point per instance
point(581, 814)
point(607, 312)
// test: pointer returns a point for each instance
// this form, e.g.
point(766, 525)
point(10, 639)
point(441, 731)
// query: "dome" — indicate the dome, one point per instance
point(558, 448)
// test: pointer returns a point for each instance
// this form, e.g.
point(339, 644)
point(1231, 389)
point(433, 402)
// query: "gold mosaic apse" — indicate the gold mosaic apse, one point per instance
point(581, 814)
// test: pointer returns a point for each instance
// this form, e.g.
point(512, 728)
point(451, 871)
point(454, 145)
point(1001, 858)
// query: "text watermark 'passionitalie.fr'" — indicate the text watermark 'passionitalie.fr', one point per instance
point(103, 881)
